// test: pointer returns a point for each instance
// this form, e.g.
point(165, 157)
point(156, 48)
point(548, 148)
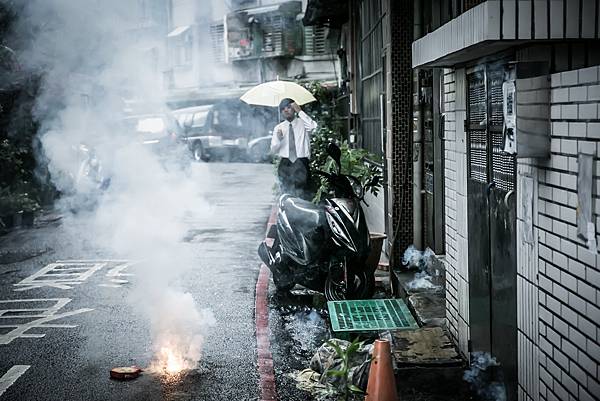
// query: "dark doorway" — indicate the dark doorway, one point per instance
point(432, 126)
point(491, 187)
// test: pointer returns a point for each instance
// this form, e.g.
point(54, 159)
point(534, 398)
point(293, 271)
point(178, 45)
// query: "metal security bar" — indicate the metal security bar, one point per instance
point(487, 162)
point(476, 127)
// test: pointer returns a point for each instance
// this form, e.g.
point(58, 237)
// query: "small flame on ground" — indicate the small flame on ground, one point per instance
point(171, 362)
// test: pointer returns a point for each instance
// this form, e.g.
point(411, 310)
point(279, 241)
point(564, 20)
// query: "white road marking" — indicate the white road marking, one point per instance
point(11, 376)
point(65, 274)
point(116, 272)
point(53, 275)
point(41, 317)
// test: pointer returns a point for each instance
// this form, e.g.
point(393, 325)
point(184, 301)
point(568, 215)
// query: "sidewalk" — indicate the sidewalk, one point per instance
point(424, 355)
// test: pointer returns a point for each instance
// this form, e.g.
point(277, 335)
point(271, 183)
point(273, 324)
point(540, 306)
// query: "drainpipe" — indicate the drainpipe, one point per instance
point(417, 151)
point(417, 154)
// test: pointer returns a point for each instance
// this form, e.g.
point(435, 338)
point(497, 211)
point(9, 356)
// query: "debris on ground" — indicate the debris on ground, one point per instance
point(336, 366)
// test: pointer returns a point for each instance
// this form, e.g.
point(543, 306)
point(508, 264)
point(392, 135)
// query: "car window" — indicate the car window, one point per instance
point(200, 119)
point(151, 124)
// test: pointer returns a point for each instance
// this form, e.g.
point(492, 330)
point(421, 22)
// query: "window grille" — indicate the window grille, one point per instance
point(316, 41)
point(273, 36)
point(372, 78)
point(484, 126)
point(217, 37)
point(476, 127)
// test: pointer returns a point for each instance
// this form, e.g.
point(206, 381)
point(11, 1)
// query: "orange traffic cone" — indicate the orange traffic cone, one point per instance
point(382, 384)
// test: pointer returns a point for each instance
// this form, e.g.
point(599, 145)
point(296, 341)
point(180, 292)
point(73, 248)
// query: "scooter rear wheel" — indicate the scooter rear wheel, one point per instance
point(363, 288)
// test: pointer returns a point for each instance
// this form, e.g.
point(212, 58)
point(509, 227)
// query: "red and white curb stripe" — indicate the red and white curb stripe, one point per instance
point(268, 391)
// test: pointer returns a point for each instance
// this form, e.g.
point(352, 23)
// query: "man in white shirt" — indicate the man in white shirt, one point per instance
point(291, 142)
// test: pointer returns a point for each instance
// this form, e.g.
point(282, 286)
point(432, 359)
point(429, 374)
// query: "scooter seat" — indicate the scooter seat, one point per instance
point(302, 213)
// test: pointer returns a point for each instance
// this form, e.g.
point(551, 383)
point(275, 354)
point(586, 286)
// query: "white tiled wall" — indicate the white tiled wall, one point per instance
point(457, 279)
point(559, 279)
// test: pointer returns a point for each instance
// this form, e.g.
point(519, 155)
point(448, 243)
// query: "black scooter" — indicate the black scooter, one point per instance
point(323, 247)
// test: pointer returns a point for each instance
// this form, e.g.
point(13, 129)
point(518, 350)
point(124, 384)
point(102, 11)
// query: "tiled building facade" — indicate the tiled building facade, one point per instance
point(558, 277)
point(553, 283)
point(557, 274)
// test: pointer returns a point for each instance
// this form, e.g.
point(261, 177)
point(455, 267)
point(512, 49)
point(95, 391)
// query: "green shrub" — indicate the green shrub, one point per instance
point(329, 130)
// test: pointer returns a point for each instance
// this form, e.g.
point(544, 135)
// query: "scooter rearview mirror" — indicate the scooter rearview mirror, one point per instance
point(335, 153)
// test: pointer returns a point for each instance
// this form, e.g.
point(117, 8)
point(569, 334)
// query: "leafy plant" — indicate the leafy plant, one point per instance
point(329, 129)
point(348, 390)
point(14, 202)
point(353, 163)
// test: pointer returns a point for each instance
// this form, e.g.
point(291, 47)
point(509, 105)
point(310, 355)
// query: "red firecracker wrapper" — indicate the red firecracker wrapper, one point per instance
point(125, 372)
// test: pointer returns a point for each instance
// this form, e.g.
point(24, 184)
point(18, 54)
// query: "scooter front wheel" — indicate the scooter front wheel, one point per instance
point(282, 284)
point(362, 286)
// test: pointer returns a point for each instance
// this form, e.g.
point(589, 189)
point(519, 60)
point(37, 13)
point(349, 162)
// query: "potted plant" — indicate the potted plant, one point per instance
point(29, 207)
point(16, 209)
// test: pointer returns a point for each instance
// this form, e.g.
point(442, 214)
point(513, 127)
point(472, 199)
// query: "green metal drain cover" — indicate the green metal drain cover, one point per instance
point(370, 315)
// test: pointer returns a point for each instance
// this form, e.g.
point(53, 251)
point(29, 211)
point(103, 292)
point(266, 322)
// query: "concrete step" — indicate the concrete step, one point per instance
point(429, 309)
point(424, 347)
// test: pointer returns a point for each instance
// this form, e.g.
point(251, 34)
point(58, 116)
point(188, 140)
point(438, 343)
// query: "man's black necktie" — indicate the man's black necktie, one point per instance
point(292, 141)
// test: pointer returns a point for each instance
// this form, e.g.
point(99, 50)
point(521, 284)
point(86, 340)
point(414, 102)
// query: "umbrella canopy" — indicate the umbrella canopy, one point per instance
point(272, 93)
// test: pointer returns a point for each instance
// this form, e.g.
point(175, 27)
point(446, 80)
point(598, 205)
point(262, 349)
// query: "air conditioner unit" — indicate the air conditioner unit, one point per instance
point(526, 108)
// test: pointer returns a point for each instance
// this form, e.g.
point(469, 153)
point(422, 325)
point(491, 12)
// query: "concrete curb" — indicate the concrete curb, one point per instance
point(268, 391)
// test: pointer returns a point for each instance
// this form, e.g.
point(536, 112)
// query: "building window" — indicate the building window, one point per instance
point(372, 79)
point(317, 41)
point(180, 46)
point(217, 38)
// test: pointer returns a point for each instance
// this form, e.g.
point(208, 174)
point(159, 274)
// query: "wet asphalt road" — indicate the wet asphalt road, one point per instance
point(73, 362)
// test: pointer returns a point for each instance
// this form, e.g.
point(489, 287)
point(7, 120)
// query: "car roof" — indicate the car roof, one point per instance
point(194, 109)
point(148, 115)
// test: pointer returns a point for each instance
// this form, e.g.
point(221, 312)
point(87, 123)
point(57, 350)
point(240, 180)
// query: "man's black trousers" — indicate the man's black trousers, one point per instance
point(294, 177)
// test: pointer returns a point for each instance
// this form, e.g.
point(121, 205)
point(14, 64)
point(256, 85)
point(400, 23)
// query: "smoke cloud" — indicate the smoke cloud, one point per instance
point(97, 61)
point(481, 380)
point(413, 258)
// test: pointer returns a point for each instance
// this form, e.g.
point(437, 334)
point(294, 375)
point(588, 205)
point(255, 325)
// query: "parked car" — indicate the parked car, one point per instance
point(259, 150)
point(161, 131)
point(213, 131)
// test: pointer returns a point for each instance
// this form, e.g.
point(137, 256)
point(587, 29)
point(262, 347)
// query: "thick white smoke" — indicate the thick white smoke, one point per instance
point(95, 59)
point(480, 378)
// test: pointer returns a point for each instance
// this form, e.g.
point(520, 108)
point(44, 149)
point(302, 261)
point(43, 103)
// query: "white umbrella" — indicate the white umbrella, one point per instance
point(273, 92)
